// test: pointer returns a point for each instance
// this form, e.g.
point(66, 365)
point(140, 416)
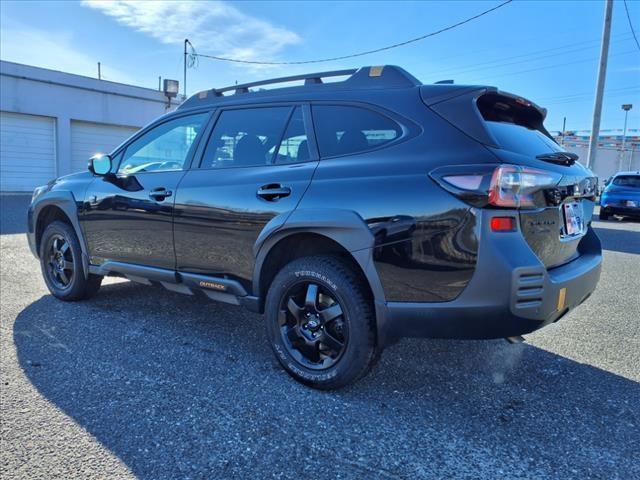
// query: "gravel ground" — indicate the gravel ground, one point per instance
point(141, 382)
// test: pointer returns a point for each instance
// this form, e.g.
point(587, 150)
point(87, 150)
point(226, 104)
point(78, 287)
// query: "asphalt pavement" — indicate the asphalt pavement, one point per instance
point(142, 382)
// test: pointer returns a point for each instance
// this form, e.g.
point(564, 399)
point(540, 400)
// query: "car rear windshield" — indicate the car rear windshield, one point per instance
point(627, 181)
point(516, 124)
point(519, 139)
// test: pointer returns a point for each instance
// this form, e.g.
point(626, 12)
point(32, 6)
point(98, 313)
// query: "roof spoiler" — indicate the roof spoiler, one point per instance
point(459, 107)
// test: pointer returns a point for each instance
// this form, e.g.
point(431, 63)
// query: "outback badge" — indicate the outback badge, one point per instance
point(215, 286)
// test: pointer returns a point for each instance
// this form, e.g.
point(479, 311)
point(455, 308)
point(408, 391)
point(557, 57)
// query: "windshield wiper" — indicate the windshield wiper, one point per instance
point(562, 158)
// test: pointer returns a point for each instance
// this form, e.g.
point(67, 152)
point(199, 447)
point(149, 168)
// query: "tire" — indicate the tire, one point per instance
point(61, 264)
point(314, 305)
point(603, 215)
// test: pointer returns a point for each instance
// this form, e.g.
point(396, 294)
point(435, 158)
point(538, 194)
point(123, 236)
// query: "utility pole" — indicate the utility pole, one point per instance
point(564, 129)
point(626, 107)
point(99, 72)
point(184, 79)
point(602, 73)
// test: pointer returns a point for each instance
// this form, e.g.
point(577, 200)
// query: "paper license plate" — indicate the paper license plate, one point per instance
point(573, 218)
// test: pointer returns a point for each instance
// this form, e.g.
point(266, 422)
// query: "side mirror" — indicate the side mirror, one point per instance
point(100, 164)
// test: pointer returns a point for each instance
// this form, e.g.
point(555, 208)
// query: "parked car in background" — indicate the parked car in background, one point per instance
point(621, 196)
point(350, 213)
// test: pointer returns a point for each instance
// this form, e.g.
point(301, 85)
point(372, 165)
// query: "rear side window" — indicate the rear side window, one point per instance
point(343, 130)
point(245, 138)
point(294, 147)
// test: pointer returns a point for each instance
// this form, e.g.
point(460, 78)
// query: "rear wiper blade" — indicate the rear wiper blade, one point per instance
point(564, 158)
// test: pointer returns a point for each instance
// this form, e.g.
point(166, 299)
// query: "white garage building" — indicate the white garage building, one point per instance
point(52, 122)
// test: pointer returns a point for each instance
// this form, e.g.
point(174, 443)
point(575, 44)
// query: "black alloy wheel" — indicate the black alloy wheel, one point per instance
point(320, 321)
point(61, 262)
point(312, 325)
point(61, 268)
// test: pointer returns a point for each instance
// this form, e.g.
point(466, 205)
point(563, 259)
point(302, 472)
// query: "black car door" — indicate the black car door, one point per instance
point(127, 217)
point(257, 164)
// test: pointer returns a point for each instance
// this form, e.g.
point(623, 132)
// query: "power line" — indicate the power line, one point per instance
point(590, 94)
point(557, 65)
point(360, 54)
point(631, 24)
point(527, 57)
point(574, 100)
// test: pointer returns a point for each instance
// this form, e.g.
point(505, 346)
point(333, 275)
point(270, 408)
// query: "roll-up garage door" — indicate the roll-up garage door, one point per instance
point(27, 151)
point(87, 139)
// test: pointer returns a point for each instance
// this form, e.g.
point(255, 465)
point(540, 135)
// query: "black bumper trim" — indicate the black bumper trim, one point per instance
point(510, 294)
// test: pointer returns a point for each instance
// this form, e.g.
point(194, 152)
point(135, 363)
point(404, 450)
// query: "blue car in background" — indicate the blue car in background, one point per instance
point(621, 196)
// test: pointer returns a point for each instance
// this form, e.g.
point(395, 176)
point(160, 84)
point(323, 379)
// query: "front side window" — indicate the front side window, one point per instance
point(246, 137)
point(163, 148)
point(343, 130)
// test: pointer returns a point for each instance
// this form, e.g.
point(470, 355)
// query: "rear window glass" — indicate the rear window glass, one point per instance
point(519, 139)
point(627, 181)
point(516, 124)
point(342, 130)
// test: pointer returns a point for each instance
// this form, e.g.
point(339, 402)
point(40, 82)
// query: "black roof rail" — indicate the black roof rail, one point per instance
point(309, 78)
point(386, 76)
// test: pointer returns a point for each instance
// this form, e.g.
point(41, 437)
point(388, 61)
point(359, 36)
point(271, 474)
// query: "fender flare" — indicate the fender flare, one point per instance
point(65, 201)
point(345, 227)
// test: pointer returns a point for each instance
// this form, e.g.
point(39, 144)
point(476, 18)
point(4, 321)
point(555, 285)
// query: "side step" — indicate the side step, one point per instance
point(217, 288)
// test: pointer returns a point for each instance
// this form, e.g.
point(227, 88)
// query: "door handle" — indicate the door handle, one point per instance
point(273, 192)
point(160, 193)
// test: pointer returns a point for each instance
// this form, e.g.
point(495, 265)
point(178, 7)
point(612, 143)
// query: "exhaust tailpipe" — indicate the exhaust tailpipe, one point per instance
point(516, 339)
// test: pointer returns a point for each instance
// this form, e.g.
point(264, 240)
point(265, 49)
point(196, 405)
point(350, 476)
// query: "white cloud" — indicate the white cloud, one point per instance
point(50, 49)
point(213, 27)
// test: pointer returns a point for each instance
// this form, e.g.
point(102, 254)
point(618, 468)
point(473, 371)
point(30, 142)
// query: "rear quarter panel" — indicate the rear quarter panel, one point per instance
point(425, 239)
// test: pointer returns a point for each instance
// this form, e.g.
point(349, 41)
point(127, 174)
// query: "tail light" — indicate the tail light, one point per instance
point(503, 224)
point(501, 186)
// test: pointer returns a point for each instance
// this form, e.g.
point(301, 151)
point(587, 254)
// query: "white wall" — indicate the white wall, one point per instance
point(66, 98)
point(608, 160)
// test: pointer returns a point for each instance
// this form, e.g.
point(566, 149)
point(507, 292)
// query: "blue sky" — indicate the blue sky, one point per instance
point(546, 51)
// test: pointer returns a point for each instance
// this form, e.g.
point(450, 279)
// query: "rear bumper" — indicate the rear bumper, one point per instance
point(511, 293)
point(616, 209)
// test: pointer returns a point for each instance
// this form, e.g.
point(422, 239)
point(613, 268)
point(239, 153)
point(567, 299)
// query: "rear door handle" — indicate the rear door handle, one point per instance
point(273, 192)
point(160, 193)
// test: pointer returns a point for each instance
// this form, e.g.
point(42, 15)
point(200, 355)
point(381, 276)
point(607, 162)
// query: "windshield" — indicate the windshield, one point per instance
point(632, 181)
point(520, 139)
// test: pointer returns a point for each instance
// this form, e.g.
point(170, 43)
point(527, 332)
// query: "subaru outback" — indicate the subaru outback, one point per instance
point(351, 213)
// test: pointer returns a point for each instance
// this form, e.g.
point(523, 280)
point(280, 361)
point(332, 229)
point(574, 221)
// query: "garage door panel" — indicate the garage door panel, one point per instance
point(87, 139)
point(27, 151)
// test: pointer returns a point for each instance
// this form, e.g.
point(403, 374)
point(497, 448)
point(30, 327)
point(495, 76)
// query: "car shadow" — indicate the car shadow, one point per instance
point(182, 388)
point(616, 239)
point(13, 217)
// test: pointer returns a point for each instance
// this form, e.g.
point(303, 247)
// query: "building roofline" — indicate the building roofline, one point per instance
point(46, 75)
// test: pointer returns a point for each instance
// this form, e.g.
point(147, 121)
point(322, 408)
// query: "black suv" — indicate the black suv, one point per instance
point(351, 213)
